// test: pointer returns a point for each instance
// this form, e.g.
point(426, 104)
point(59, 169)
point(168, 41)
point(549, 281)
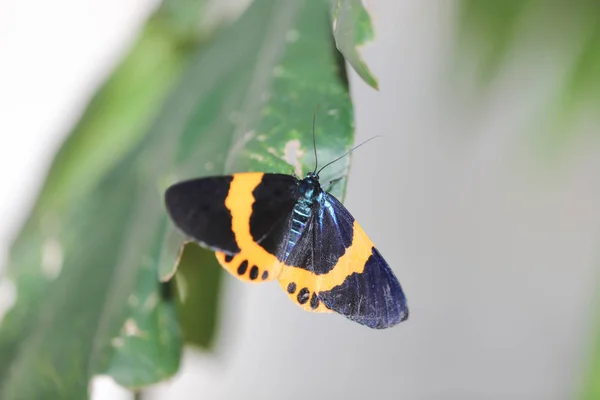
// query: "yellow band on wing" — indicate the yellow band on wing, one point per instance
point(239, 202)
point(353, 261)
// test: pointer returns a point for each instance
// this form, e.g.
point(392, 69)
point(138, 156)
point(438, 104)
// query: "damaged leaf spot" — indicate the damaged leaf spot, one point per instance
point(292, 154)
point(257, 157)
point(292, 36)
point(52, 258)
point(131, 328)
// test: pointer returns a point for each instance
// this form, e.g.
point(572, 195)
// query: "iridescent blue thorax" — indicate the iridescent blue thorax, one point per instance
point(309, 188)
point(310, 194)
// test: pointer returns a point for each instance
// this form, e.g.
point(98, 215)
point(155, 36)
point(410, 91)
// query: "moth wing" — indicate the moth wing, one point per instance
point(242, 217)
point(197, 207)
point(261, 209)
point(337, 266)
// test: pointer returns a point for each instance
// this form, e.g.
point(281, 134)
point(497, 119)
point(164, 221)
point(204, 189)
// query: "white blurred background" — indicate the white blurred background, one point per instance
point(496, 245)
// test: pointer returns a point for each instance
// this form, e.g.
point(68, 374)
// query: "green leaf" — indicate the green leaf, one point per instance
point(119, 115)
point(352, 29)
point(590, 390)
point(580, 92)
point(103, 304)
point(489, 27)
point(87, 264)
point(198, 282)
point(493, 29)
point(55, 256)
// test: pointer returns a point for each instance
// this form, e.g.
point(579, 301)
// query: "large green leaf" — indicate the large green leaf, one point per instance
point(54, 243)
point(119, 115)
point(260, 105)
point(86, 265)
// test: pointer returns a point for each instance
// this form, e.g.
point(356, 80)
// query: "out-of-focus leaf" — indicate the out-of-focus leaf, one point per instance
point(489, 26)
point(120, 113)
point(101, 302)
point(198, 282)
point(352, 28)
point(582, 86)
point(56, 254)
point(493, 28)
point(590, 390)
point(86, 266)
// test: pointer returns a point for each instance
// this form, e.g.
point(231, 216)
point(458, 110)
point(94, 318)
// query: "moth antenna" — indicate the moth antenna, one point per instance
point(314, 137)
point(346, 153)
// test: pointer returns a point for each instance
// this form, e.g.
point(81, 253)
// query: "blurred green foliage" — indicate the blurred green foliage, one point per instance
point(186, 101)
point(569, 34)
point(493, 28)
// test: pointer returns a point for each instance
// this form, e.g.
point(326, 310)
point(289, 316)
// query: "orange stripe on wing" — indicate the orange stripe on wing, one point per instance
point(239, 202)
point(306, 284)
point(353, 261)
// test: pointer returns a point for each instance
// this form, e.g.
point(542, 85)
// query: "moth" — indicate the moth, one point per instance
point(266, 227)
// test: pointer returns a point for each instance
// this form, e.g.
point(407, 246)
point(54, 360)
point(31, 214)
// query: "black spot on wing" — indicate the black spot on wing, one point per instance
point(243, 267)
point(274, 200)
point(291, 289)
point(253, 272)
point(314, 301)
point(197, 207)
point(373, 298)
point(303, 295)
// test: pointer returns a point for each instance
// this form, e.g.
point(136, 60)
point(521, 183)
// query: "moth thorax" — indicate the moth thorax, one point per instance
point(309, 189)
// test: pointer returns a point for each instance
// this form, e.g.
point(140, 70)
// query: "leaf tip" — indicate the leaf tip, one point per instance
point(167, 275)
